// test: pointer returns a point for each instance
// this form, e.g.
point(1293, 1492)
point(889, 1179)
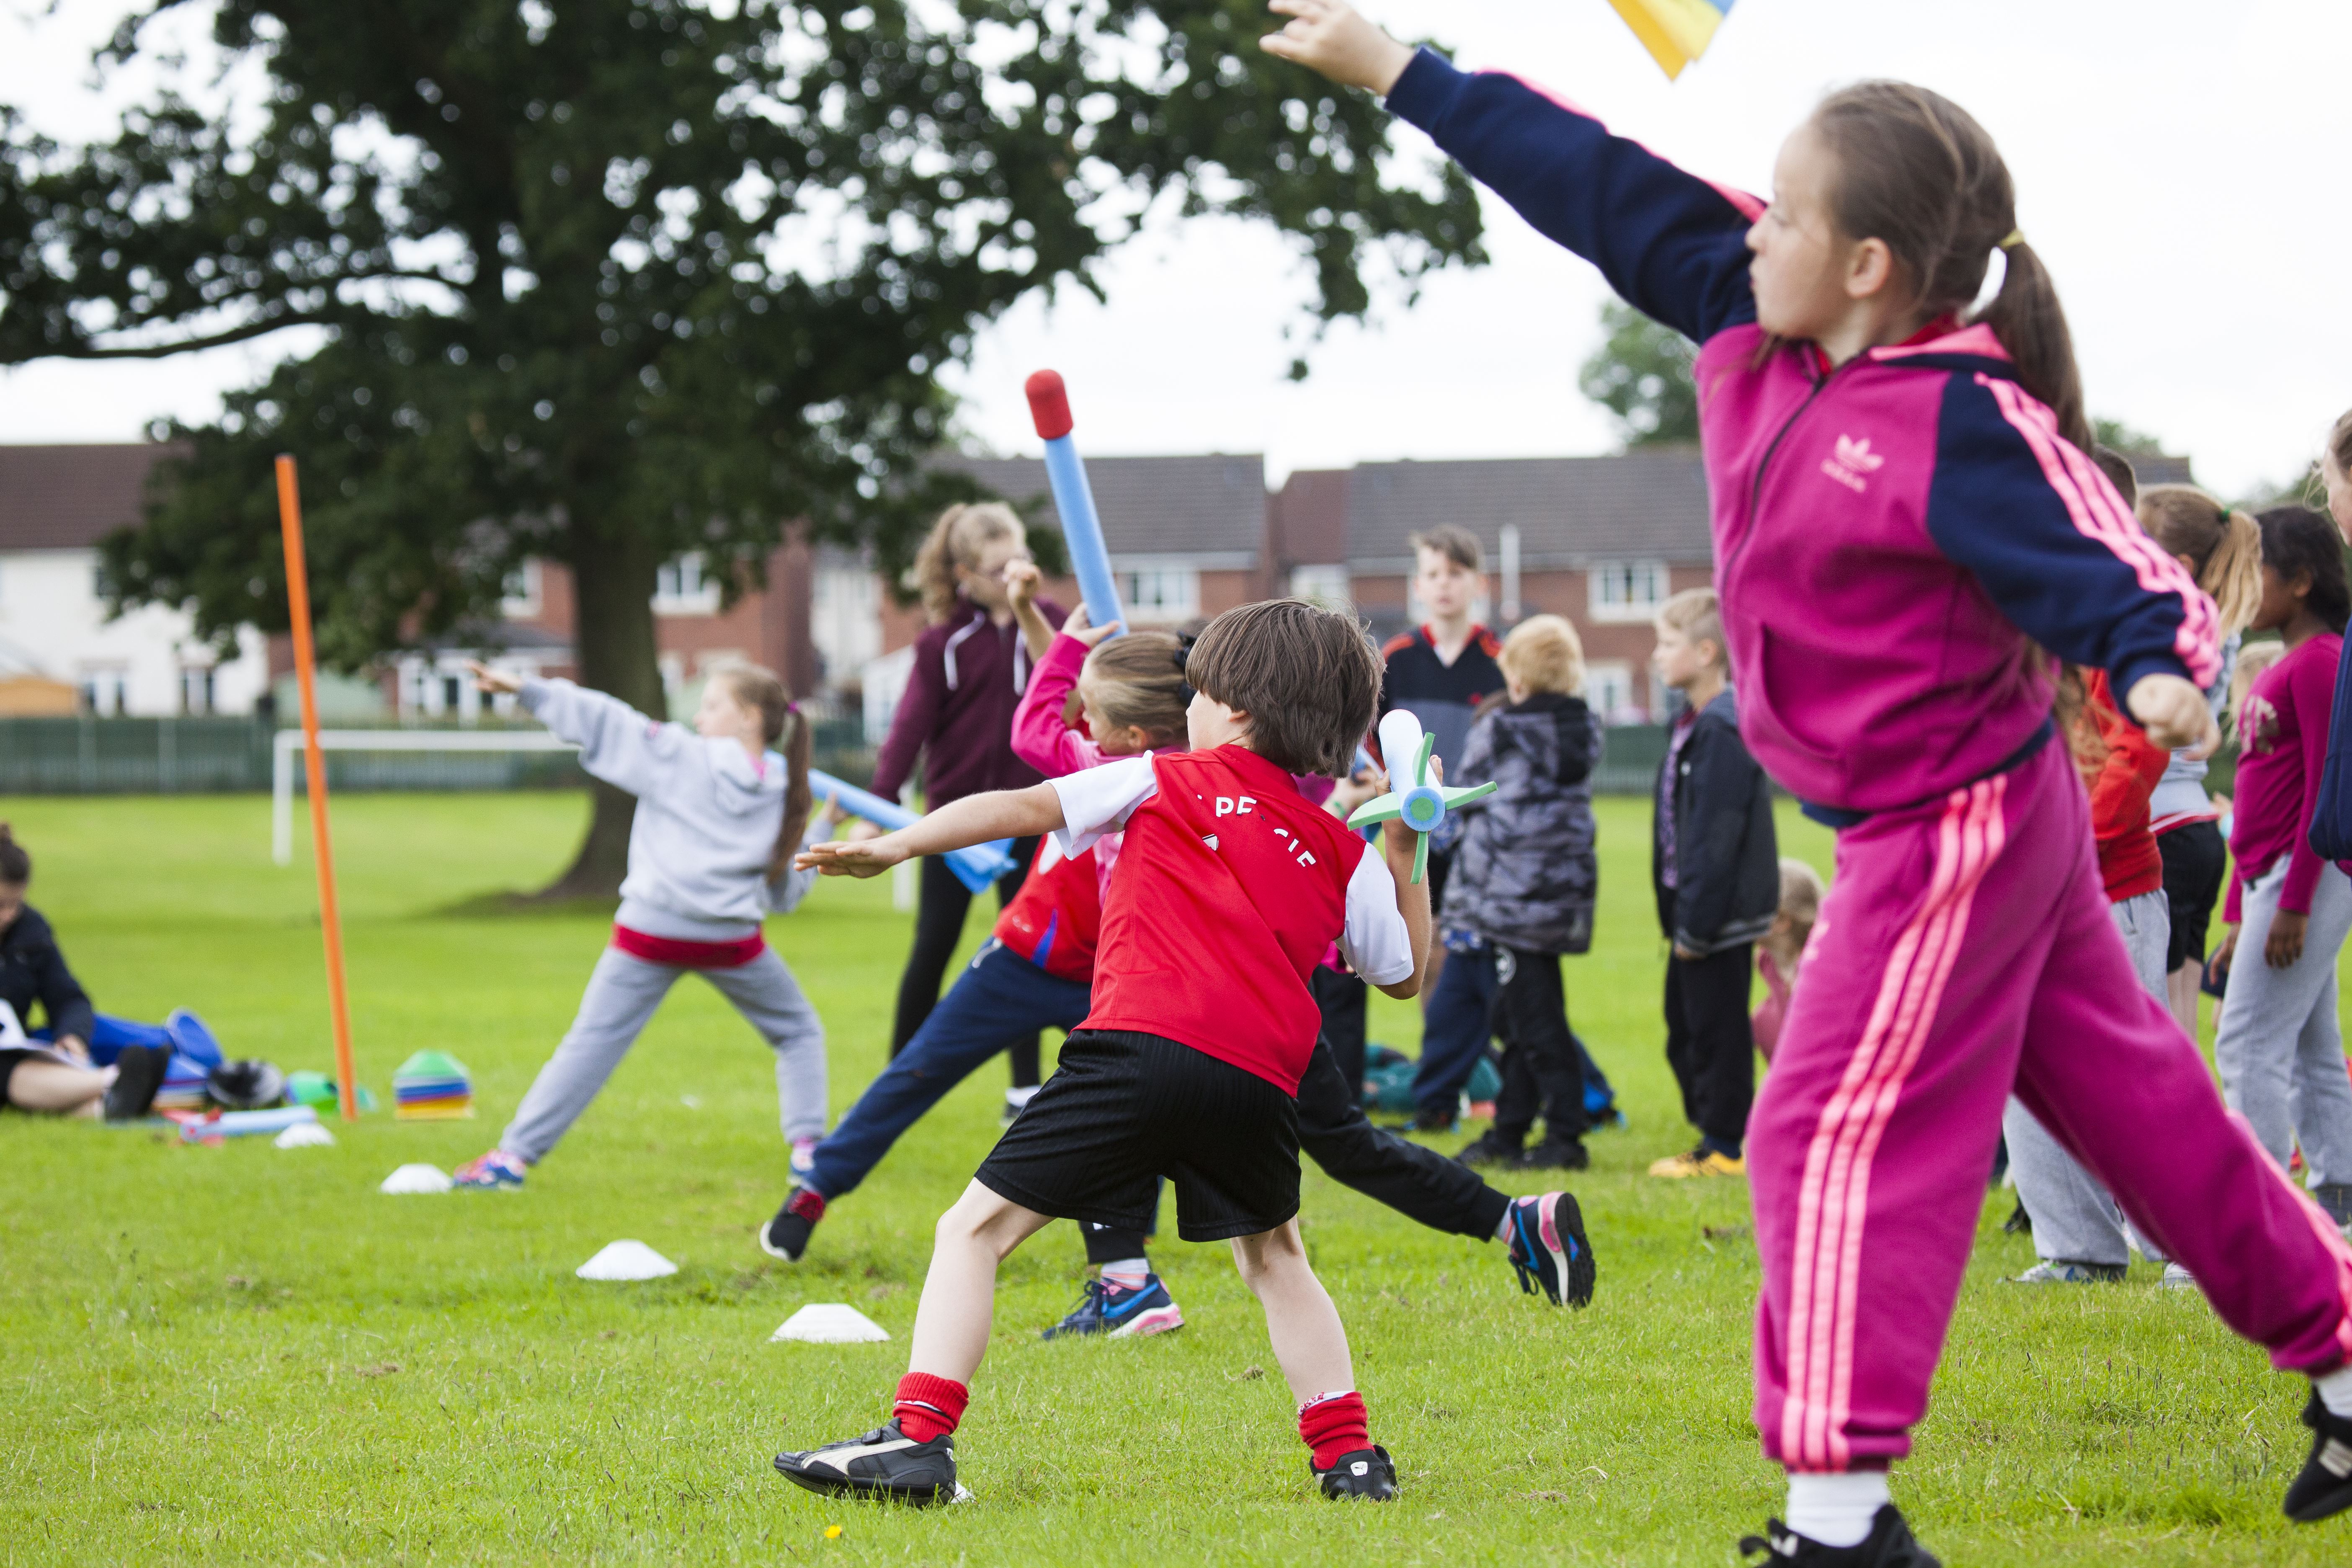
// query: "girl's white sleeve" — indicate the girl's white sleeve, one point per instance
point(1099, 801)
point(617, 744)
point(1376, 943)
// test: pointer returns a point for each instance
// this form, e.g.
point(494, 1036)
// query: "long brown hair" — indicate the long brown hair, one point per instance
point(2224, 545)
point(759, 689)
point(962, 531)
point(1917, 172)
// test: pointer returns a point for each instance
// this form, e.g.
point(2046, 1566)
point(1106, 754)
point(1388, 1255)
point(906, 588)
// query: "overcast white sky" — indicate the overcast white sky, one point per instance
point(2179, 164)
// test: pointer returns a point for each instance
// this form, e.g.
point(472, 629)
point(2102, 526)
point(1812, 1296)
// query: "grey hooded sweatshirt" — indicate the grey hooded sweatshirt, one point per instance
point(707, 818)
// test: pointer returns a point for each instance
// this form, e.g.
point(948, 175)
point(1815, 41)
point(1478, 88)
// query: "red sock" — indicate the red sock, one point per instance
point(930, 1407)
point(1331, 1425)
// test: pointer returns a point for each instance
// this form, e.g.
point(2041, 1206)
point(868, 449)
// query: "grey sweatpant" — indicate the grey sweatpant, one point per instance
point(621, 997)
point(2277, 1043)
point(2075, 1218)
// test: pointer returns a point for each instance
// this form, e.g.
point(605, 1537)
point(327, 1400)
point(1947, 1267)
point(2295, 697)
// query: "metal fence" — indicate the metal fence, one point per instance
point(195, 756)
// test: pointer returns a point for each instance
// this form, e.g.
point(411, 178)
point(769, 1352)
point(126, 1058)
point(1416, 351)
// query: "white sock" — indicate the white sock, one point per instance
point(1835, 1509)
point(2336, 1391)
point(1503, 1225)
point(1019, 1099)
point(1128, 1273)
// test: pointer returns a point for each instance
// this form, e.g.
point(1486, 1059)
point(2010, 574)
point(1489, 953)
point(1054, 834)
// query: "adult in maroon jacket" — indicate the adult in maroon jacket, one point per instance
point(970, 668)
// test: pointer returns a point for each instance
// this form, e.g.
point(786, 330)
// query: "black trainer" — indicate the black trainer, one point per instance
point(137, 1074)
point(1549, 1248)
point(885, 1464)
point(1367, 1473)
point(2325, 1486)
point(1566, 1154)
point(787, 1234)
point(1490, 1148)
point(1889, 1544)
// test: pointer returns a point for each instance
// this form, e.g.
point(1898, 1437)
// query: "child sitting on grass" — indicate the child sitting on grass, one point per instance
point(1715, 867)
point(1525, 877)
point(1229, 886)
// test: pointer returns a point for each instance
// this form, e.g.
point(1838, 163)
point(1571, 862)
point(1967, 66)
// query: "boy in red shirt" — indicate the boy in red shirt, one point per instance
point(1227, 892)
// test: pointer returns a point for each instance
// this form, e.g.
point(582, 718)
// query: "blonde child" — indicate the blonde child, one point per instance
point(720, 816)
point(1782, 949)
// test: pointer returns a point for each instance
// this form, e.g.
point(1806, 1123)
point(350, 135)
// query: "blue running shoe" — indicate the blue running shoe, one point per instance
point(492, 1171)
point(1120, 1314)
point(1548, 1247)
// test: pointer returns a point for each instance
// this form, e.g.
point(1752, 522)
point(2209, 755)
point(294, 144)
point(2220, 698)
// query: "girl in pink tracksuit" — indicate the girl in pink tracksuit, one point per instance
point(1902, 508)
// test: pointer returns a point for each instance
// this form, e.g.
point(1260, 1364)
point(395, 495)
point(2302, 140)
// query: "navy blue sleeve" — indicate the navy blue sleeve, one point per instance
point(2055, 546)
point(1674, 246)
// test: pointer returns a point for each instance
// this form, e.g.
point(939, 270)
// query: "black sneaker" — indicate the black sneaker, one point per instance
point(1490, 1148)
point(1368, 1473)
point(137, 1074)
point(1889, 1544)
point(885, 1464)
point(787, 1234)
point(2325, 1486)
point(1549, 1248)
point(1550, 1155)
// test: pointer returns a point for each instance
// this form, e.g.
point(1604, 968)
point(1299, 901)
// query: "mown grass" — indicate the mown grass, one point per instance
point(239, 1353)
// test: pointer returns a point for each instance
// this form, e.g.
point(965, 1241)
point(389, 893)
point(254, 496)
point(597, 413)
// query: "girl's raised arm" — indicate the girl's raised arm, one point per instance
point(1673, 245)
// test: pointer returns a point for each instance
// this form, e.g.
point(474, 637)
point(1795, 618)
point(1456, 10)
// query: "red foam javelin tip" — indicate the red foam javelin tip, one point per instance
point(1049, 403)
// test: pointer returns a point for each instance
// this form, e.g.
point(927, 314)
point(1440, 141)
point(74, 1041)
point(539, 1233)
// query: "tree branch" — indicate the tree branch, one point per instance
point(190, 346)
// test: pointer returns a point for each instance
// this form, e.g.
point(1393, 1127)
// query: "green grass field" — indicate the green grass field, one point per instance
point(247, 1355)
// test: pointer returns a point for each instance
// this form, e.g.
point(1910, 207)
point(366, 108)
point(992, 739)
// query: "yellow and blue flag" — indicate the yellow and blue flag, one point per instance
point(1675, 32)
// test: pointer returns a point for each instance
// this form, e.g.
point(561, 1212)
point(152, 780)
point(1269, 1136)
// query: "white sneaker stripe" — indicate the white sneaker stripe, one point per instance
point(839, 1457)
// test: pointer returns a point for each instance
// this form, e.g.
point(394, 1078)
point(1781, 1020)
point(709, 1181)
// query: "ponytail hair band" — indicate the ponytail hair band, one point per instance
point(2012, 239)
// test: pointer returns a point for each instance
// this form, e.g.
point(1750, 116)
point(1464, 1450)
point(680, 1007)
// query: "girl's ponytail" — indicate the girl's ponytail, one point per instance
point(2225, 547)
point(15, 866)
point(797, 742)
point(2026, 317)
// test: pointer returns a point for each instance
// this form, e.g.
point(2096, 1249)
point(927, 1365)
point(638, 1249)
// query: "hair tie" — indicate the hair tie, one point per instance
point(2012, 239)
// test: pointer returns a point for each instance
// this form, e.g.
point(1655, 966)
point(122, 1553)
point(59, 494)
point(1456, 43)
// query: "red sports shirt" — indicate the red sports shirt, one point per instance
point(1052, 921)
point(1228, 890)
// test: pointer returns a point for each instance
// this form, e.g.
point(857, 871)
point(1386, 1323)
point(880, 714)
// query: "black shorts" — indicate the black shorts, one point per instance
point(2194, 861)
point(9, 1056)
point(1125, 1109)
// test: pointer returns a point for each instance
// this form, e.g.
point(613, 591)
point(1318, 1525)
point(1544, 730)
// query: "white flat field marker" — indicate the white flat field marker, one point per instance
point(626, 1260)
point(830, 1323)
point(305, 1135)
point(416, 1179)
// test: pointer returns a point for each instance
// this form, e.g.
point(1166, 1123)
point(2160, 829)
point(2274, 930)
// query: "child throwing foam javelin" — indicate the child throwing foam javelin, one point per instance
point(1229, 886)
point(1902, 508)
point(711, 854)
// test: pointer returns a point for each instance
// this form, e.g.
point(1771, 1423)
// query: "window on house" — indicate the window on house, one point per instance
point(519, 596)
point(1159, 595)
point(680, 587)
point(1322, 585)
point(1610, 692)
point(1628, 590)
point(196, 689)
point(106, 693)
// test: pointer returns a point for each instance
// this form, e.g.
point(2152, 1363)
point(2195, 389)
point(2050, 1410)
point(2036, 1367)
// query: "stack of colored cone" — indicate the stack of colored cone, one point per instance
point(432, 1086)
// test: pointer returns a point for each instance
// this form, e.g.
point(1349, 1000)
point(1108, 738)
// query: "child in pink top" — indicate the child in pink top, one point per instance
point(2276, 1042)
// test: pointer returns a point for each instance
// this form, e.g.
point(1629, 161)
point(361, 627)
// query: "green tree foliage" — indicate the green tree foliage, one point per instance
point(602, 282)
point(1642, 374)
point(2126, 439)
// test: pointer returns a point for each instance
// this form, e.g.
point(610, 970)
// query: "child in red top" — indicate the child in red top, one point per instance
point(1228, 888)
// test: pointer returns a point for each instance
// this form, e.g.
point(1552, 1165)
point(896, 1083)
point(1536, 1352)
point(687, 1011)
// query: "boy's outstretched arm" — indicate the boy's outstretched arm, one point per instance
point(959, 825)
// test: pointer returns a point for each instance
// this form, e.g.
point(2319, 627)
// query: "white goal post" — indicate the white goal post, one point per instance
point(287, 744)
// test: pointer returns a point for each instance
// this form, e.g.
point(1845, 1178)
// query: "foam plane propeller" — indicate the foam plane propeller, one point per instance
point(1422, 804)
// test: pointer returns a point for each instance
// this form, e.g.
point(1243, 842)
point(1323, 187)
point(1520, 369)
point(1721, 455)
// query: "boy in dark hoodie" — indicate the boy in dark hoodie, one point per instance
point(1714, 864)
point(1525, 877)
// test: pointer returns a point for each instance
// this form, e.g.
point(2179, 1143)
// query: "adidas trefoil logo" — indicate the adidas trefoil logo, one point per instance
point(1853, 461)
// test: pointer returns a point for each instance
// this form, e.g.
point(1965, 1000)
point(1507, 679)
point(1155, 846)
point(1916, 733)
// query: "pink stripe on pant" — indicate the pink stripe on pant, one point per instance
point(1964, 946)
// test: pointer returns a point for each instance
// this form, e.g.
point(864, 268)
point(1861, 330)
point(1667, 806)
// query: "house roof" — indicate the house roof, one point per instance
point(1208, 507)
point(1569, 510)
point(69, 498)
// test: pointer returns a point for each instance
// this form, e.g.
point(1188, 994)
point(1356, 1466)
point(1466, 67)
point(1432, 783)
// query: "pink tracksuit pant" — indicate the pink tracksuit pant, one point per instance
point(1965, 947)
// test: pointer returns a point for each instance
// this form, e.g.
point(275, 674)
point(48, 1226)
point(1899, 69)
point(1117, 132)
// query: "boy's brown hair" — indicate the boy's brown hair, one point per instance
point(1458, 545)
point(1543, 653)
point(1307, 676)
point(1697, 614)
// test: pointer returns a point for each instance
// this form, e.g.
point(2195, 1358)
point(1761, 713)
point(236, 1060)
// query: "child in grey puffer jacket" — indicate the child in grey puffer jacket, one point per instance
point(719, 817)
point(1525, 877)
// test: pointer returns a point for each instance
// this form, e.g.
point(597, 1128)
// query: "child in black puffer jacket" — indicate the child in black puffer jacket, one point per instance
point(1525, 880)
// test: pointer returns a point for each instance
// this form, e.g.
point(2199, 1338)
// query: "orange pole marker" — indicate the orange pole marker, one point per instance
point(314, 773)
